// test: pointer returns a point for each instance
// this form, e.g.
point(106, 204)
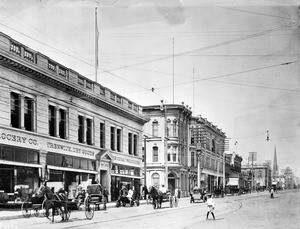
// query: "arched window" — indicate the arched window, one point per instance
point(155, 179)
point(155, 154)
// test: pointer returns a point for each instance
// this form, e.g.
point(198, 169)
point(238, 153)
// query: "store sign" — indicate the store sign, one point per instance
point(119, 159)
point(104, 165)
point(20, 139)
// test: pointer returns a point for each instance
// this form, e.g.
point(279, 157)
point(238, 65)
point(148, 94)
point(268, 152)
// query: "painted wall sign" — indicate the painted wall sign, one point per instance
point(126, 160)
point(18, 138)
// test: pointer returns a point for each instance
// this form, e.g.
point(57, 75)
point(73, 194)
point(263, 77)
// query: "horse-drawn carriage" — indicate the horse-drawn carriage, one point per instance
point(197, 195)
point(158, 198)
point(43, 201)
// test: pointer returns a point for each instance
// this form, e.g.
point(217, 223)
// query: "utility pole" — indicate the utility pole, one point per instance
point(145, 160)
point(163, 108)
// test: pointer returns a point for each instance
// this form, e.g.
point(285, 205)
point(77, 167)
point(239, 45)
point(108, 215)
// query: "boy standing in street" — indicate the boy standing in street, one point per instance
point(210, 206)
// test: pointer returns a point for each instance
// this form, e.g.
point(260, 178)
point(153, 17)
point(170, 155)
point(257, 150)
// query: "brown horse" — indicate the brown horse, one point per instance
point(57, 202)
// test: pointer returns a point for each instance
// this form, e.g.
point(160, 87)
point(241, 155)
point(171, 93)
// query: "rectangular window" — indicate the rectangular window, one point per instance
point(192, 159)
point(102, 135)
point(15, 48)
point(52, 120)
point(51, 66)
point(102, 91)
point(28, 55)
point(112, 138)
point(119, 99)
point(80, 129)
point(175, 133)
point(62, 123)
point(130, 143)
point(112, 96)
point(119, 139)
point(135, 144)
point(89, 130)
point(135, 107)
point(89, 85)
point(155, 154)
point(155, 129)
point(80, 81)
point(129, 105)
point(62, 72)
point(83, 164)
point(28, 114)
point(15, 111)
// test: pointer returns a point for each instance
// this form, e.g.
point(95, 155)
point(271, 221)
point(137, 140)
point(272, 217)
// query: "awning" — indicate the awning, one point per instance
point(233, 182)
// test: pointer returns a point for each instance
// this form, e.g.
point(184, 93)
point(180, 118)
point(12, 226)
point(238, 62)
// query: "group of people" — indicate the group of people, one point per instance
point(163, 190)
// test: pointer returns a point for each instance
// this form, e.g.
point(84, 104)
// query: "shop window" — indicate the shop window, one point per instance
point(137, 172)
point(91, 165)
point(33, 157)
point(52, 120)
point(20, 155)
point(155, 154)
point(76, 163)
point(84, 164)
point(119, 140)
point(102, 135)
point(80, 128)
point(28, 114)
point(15, 115)
point(67, 161)
point(89, 131)
point(135, 144)
point(50, 159)
point(112, 138)
point(130, 143)
point(8, 153)
point(84, 176)
point(56, 175)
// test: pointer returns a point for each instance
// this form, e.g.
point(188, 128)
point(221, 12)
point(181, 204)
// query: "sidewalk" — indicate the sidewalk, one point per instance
point(16, 213)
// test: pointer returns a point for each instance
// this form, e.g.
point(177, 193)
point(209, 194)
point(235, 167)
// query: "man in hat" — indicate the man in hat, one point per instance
point(210, 206)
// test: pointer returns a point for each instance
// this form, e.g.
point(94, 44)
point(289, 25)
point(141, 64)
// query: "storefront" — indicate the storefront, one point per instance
point(125, 171)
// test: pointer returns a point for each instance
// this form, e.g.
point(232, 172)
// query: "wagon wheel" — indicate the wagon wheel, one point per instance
point(26, 209)
point(89, 208)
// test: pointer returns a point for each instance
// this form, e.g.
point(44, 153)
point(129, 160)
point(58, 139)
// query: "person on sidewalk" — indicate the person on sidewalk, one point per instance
point(105, 198)
point(210, 206)
point(272, 193)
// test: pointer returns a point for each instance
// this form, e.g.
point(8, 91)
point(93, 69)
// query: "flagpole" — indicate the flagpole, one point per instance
point(96, 43)
point(173, 71)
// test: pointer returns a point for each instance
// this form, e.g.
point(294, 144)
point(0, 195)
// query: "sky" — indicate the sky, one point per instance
point(233, 62)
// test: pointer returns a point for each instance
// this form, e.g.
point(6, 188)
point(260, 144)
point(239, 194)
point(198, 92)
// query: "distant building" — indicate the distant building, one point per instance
point(233, 172)
point(259, 175)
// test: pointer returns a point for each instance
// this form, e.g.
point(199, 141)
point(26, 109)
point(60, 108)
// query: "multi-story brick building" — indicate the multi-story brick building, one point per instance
point(58, 126)
point(207, 149)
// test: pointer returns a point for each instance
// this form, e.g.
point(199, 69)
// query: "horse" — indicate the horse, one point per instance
point(156, 196)
point(57, 202)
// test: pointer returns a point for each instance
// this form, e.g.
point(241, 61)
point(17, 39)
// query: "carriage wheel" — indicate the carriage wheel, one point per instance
point(26, 209)
point(89, 210)
point(36, 212)
point(43, 210)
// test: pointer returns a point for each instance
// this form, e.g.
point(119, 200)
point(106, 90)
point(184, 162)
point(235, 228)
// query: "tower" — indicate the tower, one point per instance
point(275, 166)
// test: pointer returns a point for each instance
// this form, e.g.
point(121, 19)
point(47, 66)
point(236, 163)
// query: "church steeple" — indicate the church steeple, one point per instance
point(275, 166)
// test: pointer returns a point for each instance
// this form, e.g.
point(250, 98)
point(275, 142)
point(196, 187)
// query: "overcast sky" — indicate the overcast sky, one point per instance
point(245, 59)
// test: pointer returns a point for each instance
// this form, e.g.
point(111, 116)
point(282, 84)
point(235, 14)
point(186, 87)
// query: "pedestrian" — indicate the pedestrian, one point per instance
point(145, 193)
point(105, 197)
point(210, 206)
point(272, 193)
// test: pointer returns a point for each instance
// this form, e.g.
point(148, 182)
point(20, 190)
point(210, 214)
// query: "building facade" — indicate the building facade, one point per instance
point(259, 176)
point(233, 173)
point(59, 127)
point(207, 154)
point(166, 146)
